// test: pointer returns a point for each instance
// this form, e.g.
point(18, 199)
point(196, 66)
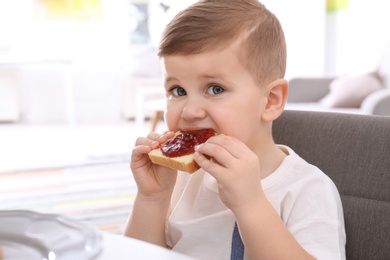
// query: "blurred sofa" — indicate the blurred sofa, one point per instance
point(364, 93)
point(359, 94)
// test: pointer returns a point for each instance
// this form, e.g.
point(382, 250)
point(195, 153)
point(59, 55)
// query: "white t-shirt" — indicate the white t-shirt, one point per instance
point(201, 226)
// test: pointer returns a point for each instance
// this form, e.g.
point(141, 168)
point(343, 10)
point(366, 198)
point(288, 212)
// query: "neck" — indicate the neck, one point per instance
point(270, 162)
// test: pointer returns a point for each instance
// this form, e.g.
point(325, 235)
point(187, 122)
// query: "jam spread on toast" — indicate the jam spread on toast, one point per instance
point(185, 142)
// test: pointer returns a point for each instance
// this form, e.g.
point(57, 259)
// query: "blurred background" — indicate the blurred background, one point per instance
point(89, 63)
point(78, 79)
point(84, 61)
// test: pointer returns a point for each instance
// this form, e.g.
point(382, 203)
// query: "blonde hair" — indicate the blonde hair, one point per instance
point(215, 24)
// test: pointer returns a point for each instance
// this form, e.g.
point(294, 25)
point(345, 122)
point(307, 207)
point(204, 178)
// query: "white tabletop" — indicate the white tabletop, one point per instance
point(119, 247)
point(26, 234)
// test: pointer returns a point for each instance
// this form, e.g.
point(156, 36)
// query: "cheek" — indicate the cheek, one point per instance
point(227, 120)
point(171, 118)
point(237, 122)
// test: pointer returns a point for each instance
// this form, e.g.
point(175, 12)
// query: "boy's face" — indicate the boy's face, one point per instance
point(212, 90)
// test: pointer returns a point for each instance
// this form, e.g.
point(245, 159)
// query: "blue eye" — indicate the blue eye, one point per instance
point(178, 91)
point(215, 90)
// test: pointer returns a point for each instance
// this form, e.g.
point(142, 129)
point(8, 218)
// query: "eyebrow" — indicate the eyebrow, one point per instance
point(207, 76)
point(169, 79)
point(220, 78)
point(203, 76)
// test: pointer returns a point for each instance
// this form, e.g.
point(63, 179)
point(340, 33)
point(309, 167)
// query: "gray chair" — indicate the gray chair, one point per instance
point(354, 151)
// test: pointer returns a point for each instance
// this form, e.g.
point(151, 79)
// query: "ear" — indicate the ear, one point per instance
point(276, 96)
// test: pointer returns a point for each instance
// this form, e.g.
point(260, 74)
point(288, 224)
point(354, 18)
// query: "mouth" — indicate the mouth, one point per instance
point(195, 128)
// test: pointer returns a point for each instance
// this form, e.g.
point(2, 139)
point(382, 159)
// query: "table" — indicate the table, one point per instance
point(119, 247)
point(150, 96)
point(9, 98)
point(17, 62)
point(26, 234)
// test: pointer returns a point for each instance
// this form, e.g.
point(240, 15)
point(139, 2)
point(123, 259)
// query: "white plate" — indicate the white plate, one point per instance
point(32, 235)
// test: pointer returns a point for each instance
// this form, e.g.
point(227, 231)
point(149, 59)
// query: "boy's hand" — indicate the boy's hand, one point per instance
point(235, 167)
point(151, 179)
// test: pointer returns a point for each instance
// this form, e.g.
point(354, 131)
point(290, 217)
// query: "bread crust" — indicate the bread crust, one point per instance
point(184, 163)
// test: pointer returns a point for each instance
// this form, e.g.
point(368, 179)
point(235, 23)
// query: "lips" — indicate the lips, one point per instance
point(194, 128)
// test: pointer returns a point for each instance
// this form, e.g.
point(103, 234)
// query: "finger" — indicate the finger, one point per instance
point(217, 153)
point(142, 141)
point(208, 164)
point(140, 150)
point(232, 145)
point(161, 138)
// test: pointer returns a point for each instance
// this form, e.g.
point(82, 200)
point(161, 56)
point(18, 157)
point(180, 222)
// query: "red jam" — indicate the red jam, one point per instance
point(184, 143)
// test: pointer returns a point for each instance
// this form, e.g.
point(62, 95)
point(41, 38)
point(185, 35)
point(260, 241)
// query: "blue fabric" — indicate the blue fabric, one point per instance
point(237, 245)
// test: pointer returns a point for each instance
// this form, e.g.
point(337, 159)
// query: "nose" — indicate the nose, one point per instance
point(193, 110)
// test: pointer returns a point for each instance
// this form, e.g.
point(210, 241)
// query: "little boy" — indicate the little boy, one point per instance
point(223, 64)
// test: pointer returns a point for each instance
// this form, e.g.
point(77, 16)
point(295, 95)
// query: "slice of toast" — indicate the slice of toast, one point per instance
point(184, 163)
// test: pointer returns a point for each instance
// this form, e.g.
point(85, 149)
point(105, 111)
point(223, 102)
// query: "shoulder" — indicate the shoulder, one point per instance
point(311, 208)
point(295, 172)
point(299, 185)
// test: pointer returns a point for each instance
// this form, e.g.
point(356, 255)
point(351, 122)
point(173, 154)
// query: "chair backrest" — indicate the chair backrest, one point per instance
point(354, 151)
